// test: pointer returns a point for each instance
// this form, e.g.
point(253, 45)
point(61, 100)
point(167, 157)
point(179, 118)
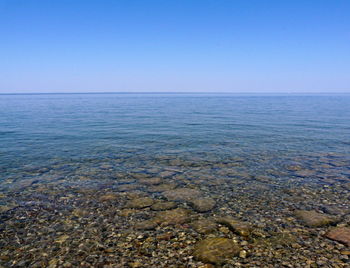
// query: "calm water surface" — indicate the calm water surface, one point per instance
point(39, 129)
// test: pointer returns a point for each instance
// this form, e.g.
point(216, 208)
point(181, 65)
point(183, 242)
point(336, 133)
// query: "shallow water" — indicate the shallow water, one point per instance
point(260, 158)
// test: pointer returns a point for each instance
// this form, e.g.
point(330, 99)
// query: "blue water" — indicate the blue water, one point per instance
point(39, 129)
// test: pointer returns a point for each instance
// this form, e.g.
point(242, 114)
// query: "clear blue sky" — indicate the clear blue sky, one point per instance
point(178, 45)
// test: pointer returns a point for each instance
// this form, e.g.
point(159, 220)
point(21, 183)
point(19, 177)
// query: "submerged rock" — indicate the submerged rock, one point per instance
point(173, 217)
point(128, 187)
point(340, 234)
point(161, 187)
point(163, 205)
point(203, 204)
point(140, 176)
point(215, 250)
point(294, 167)
point(204, 226)
point(279, 239)
point(109, 197)
point(239, 227)
point(182, 194)
point(314, 219)
point(305, 173)
point(142, 202)
point(146, 225)
point(151, 181)
point(127, 212)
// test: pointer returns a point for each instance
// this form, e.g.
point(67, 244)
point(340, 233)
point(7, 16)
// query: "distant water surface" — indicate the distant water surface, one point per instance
point(37, 129)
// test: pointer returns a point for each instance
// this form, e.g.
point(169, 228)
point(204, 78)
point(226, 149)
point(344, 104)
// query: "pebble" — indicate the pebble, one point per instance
point(243, 254)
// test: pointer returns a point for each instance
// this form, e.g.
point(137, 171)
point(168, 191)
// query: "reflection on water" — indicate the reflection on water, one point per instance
point(172, 180)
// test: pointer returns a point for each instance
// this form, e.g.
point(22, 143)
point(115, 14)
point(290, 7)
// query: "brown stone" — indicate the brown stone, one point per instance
point(109, 197)
point(314, 219)
point(136, 264)
point(161, 187)
point(239, 227)
point(340, 234)
point(151, 181)
point(141, 202)
point(127, 212)
point(165, 236)
point(172, 217)
point(146, 225)
point(204, 226)
point(163, 205)
point(215, 250)
point(203, 204)
point(128, 187)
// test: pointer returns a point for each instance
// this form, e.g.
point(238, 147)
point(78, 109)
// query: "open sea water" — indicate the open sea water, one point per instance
point(38, 129)
point(259, 158)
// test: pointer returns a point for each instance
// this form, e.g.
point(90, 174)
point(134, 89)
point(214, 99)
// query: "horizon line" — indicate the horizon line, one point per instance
point(173, 92)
